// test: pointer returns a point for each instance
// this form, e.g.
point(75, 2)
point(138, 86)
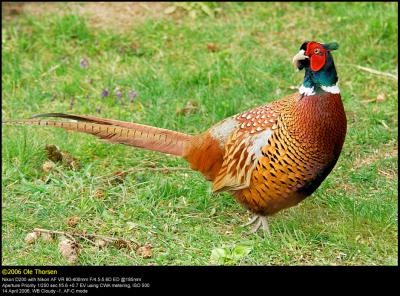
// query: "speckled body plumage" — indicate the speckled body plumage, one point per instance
point(307, 134)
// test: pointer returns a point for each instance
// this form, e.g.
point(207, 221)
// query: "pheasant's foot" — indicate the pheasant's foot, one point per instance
point(259, 221)
point(251, 221)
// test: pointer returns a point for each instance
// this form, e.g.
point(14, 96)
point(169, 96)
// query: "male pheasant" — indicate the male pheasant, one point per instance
point(269, 158)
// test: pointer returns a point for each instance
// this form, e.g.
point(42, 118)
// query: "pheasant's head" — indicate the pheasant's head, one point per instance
point(317, 61)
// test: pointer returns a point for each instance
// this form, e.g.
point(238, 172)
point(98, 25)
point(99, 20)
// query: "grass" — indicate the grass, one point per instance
point(350, 220)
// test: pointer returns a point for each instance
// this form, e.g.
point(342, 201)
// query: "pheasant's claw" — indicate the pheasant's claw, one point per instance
point(251, 221)
point(256, 226)
point(258, 222)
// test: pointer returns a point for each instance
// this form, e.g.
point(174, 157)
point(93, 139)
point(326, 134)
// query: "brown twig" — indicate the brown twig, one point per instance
point(163, 169)
point(373, 71)
point(145, 169)
point(40, 230)
point(84, 236)
point(51, 70)
point(385, 125)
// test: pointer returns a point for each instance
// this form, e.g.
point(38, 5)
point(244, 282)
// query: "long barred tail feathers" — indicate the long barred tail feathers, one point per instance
point(115, 131)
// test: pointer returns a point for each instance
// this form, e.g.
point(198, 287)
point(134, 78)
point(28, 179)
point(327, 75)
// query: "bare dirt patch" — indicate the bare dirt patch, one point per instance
point(112, 15)
point(386, 151)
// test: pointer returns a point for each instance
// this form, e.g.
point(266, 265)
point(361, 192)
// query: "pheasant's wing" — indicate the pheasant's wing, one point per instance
point(243, 148)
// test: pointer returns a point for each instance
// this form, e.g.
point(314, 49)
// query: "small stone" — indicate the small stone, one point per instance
point(48, 165)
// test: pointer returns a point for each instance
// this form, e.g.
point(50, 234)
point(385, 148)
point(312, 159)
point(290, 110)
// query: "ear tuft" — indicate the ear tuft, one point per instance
point(331, 46)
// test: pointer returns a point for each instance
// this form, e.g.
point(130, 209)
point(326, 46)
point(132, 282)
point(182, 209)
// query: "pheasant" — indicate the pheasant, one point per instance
point(269, 158)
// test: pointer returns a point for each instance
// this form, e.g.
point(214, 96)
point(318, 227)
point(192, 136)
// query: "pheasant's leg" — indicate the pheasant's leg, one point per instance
point(265, 226)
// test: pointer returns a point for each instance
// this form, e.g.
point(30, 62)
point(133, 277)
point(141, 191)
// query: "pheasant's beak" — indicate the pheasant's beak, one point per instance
point(300, 56)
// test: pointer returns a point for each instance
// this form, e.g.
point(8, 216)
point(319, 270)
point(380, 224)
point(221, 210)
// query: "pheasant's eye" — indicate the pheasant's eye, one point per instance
point(316, 51)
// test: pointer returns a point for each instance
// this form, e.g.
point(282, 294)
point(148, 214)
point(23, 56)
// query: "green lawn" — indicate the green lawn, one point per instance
point(227, 59)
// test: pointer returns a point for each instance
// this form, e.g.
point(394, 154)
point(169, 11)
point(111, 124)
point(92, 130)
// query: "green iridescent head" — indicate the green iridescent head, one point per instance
point(317, 61)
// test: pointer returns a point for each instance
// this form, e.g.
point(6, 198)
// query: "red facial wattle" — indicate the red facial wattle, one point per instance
point(317, 55)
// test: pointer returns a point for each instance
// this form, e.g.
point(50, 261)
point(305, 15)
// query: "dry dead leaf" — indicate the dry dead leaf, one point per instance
point(120, 244)
point(119, 177)
point(70, 161)
point(69, 249)
point(99, 194)
point(53, 153)
point(380, 98)
point(73, 221)
point(191, 107)
point(170, 9)
point(145, 251)
point(56, 155)
point(212, 47)
point(30, 238)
